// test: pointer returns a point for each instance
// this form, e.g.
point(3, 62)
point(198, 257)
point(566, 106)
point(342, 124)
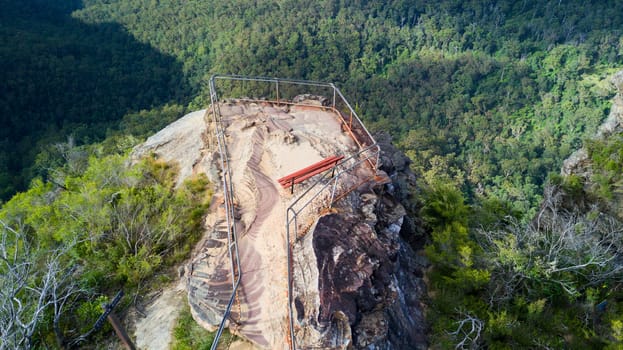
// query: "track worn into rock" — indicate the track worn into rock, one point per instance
point(264, 143)
point(256, 286)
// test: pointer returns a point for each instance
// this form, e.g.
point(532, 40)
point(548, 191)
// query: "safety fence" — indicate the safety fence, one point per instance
point(228, 192)
point(322, 193)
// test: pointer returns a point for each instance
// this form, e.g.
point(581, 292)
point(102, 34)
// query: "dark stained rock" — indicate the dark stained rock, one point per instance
point(402, 189)
point(366, 270)
point(366, 273)
point(344, 262)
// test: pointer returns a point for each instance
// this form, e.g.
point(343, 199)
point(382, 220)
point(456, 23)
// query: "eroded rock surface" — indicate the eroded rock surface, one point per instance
point(183, 142)
point(357, 284)
point(265, 143)
point(365, 287)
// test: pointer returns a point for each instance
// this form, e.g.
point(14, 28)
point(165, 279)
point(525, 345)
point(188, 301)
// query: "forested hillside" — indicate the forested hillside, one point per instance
point(491, 96)
point(487, 99)
point(61, 76)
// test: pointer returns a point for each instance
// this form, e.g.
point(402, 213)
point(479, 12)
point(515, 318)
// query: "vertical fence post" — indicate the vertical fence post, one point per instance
point(350, 121)
point(120, 331)
point(333, 190)
point(277, 88)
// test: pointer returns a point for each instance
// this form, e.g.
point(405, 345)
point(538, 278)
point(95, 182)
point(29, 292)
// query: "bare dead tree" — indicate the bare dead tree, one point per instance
point(64, 291)
point(560, 247)
point(28, 288)
point(21, 302)
point(468, 332)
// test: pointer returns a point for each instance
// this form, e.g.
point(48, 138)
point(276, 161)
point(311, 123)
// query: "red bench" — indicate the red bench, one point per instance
point(307, 172)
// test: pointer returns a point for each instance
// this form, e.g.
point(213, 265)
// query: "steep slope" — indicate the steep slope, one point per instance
point(553, 281)
point(264, 143)
point(357, 283)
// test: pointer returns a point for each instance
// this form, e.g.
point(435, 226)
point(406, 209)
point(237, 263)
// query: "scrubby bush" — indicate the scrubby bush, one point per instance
point(108, 225)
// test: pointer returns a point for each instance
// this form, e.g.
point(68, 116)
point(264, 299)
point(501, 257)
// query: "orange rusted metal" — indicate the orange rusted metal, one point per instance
point(307, 172)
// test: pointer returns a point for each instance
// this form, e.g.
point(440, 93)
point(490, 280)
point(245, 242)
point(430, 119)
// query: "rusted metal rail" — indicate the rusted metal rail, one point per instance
point(308, 172)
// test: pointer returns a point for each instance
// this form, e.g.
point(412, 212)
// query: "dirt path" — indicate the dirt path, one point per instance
point(262, 249)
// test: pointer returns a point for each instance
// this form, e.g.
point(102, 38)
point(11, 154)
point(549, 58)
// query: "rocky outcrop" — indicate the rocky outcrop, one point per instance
point(403, 188)
point(312, 99)
point(614, 122)
point(185, 143)
point(357, 283)
point(578, 162)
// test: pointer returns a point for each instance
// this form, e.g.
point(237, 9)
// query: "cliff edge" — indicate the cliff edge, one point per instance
point(356, 283)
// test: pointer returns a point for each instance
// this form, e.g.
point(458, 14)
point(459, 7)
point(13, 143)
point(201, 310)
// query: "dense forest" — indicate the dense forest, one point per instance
point(486, 97)
point(490, 95)
point(64, 77)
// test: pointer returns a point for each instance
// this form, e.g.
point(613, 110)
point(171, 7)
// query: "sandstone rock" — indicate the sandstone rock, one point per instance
point(614, 122)
point(356, 282)
point(312, 99)
point(617, 81)
point(578, 164)
point(182, 142)
point(403, 188)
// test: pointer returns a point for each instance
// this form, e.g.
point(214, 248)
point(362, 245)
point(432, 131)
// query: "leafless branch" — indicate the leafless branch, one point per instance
point(468, 332)
point(27, 292)
point(559, 247)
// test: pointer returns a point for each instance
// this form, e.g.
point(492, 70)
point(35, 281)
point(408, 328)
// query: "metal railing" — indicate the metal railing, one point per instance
point(228, 190)
point(283, 91)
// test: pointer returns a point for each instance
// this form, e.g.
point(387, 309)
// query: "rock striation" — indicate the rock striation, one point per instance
point(356, 283)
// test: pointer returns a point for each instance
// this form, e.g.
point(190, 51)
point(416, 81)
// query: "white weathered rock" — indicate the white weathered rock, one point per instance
point(617, 81)
point(614, 122)
point(181, 142)
point(578, 163)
